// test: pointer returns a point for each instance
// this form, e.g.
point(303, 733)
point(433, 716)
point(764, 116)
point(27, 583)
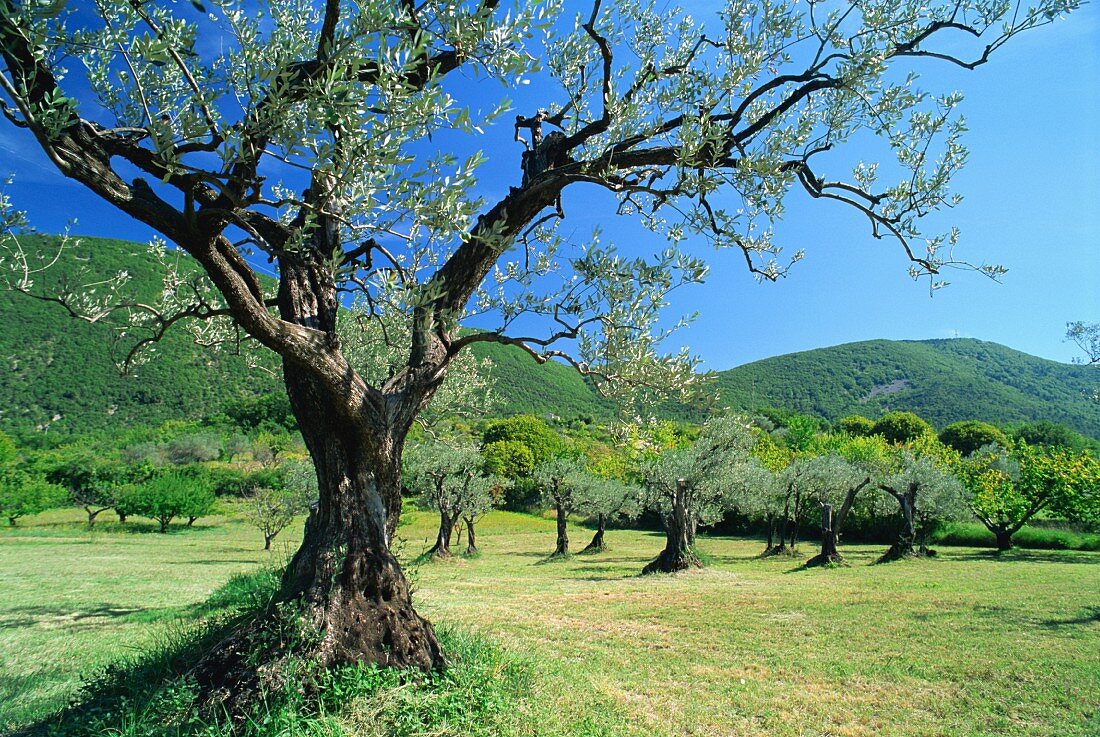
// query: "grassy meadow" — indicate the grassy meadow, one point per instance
point(963, 645)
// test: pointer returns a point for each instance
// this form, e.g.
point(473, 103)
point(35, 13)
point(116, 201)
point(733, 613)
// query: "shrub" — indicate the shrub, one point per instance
point(857, 425)
point(969, 435)
point(902, 427)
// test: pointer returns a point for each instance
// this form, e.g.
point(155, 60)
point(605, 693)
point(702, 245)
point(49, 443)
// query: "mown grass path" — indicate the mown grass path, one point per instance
point(967, 644)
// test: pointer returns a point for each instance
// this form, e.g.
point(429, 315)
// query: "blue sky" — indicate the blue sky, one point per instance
point(1032, 204)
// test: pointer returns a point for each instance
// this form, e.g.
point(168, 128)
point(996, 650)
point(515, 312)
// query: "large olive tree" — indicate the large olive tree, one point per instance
point(317, 135)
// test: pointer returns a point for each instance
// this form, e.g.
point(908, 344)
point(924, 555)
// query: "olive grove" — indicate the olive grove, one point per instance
point(319, 136)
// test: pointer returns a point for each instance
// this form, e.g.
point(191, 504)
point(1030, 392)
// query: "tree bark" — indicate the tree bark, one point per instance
point(597, 545)
point(350, 595)
point(442, 547)
point(92, 514)
point(678, 554)
point(121, 517)
point(471, 542)
point(267, 541)
point(562, 547)
point(1004, 539)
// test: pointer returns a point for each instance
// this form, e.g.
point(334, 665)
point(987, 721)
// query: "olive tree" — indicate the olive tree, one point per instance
point(926, 492)
point(320, 135)
point(559, 480)
point(450, 480)
point(834, 482)
point(698, 485)
point(605, 499)
point(272, 509)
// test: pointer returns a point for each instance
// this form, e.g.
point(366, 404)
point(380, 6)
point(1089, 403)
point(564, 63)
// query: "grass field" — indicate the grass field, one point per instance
point(966, 644)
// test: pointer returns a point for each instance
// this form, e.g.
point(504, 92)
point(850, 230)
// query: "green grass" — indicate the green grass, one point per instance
point(1035, 538)
point(967, 644)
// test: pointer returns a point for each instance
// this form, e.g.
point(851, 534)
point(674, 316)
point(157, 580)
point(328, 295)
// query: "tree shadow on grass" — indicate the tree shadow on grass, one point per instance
point(1091, 615)
point(212, 561)
point(84, 617)
point(1022, 556)
point(606, 572)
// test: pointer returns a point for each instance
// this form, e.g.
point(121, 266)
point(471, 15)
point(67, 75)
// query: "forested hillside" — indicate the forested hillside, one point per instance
point(56, 373)
point(942, 380)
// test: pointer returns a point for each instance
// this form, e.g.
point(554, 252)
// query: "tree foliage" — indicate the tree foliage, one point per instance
point(902, 427)
point(970, 435)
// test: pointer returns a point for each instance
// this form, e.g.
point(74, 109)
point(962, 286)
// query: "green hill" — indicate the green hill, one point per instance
point(56, 374)
point(942, 380)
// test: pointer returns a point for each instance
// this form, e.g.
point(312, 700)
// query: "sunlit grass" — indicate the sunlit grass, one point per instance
point(967, 644)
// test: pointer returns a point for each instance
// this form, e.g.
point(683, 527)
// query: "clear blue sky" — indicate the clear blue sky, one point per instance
point(1032, 189)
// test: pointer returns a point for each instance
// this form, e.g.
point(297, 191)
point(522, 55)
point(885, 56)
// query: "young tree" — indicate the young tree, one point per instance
point(482, 493)
point(605, 499)
point(559, 479)
point(697, 485)
point(273, 509)
point(22, 494)
point(765, 497)
point(92, 480)
point(314, 136)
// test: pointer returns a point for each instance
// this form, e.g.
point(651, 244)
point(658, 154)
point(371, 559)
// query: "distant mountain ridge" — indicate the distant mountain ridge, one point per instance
point(56, 374)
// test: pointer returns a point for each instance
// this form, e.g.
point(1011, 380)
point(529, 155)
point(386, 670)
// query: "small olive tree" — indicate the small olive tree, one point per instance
point(450, 480)
point(606, 499)
point(926, 492)
point(559, 482)
point(272, 509)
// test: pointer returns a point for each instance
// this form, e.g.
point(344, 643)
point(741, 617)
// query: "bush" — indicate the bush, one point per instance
point(195, 448)
point(969, 435)
point(902, 427)
point(857, 426)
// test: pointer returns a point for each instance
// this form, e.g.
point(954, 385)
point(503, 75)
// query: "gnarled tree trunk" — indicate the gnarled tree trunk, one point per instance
point(442, 547)
point(597, 545)
point(678, 554)
point(471, 542)
point(906, 545)
point(831, 525)
point(562, 546)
